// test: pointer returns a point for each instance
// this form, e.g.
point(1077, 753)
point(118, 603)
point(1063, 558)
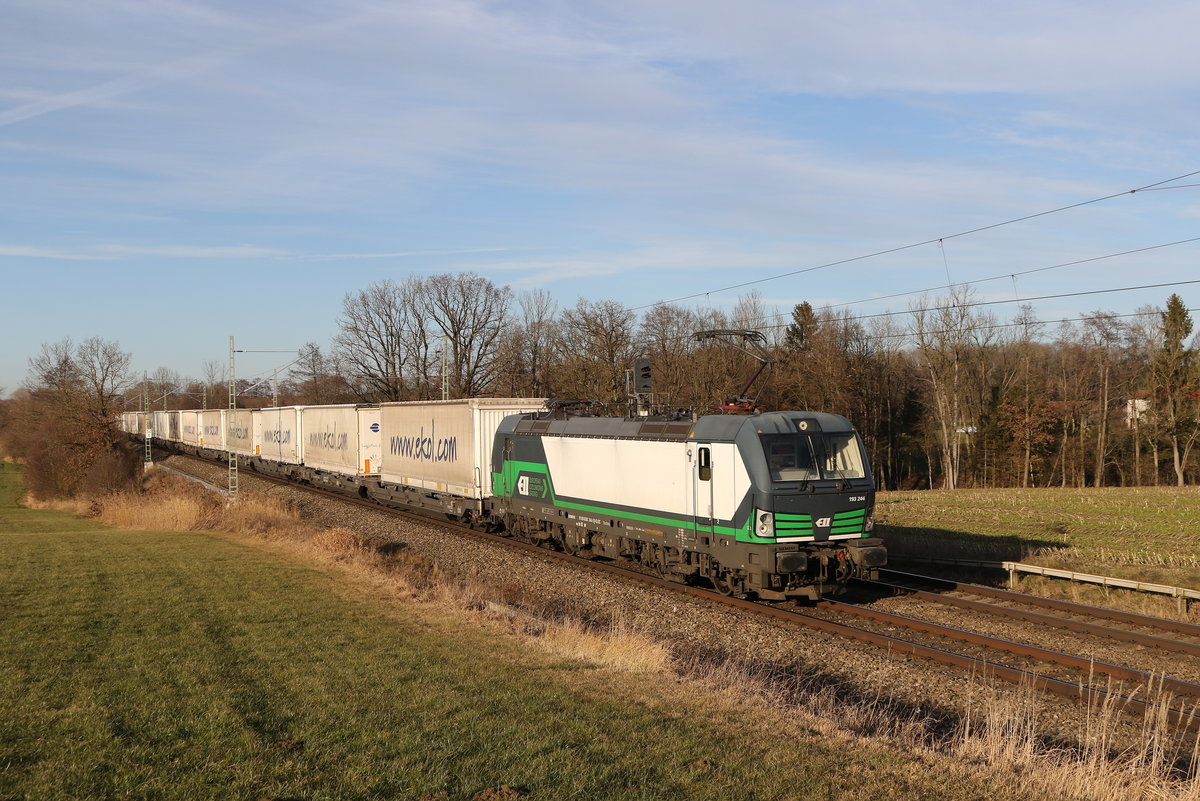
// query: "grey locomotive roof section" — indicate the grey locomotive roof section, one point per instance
point(710, 428)
point(718, 427)
point(604, 427)
point(786, 422)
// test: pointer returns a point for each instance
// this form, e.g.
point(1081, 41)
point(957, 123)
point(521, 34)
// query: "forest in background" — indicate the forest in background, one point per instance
point(945, 394)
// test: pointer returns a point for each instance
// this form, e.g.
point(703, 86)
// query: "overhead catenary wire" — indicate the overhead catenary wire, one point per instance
point(1010, 300)
point(973, 304)
point(1015, 275)
point(1020, 324)
point(765, 321)
point(1157, 185)
point(989, 327)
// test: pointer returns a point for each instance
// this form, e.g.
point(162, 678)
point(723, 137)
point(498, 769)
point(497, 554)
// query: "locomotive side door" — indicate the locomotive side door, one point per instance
point(702, 488)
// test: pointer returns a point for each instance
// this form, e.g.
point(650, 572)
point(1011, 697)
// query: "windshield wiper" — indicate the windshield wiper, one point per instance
point(830, 457)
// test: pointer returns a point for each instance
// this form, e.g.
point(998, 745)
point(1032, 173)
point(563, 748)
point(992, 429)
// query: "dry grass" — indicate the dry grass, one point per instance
point(999, 738)
point(615, 647)
point(1001, 735)
point(157, 513)
point(74, 506)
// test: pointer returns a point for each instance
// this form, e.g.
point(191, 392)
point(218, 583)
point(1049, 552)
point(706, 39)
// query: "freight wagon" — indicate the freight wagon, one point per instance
point(437, 454)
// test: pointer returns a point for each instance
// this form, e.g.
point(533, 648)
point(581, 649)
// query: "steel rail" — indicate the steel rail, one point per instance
point(976, 666)
point(1122, 635)
point(1080, 663)
point(1172, 626)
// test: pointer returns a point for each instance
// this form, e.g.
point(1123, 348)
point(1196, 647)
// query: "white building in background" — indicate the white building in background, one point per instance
point(1135, 411)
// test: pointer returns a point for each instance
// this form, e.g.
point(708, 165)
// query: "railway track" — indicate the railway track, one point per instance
point(1075, 679)
point(1137, 629)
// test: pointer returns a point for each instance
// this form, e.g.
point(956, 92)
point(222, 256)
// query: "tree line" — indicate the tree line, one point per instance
point(944, 394)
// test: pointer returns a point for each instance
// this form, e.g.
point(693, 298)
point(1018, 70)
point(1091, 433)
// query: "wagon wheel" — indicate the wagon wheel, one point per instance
point(514, 526)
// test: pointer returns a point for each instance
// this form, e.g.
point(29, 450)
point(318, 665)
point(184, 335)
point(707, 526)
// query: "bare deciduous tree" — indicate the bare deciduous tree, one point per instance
point(315, 379)
point(948, 341)
point(471, 313)
point(376, 340)
point(596, 347)
point(68, 418)
point(87, 378)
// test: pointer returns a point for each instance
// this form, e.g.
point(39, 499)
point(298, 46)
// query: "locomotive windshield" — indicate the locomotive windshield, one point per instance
point(806, 457)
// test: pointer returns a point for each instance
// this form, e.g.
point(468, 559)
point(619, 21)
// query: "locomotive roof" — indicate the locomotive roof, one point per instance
point(710, 428)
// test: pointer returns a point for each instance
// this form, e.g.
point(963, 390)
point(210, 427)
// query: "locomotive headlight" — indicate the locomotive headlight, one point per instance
point(870, 526)
point(766, 524)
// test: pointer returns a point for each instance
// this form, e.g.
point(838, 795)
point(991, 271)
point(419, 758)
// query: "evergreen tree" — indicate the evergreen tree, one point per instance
point(804, 323)
point(1174, 381)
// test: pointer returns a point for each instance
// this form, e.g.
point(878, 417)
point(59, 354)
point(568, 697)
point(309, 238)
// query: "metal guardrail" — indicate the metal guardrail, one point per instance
point(1184, 594)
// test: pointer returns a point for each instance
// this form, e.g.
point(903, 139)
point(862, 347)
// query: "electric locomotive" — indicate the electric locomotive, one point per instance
point(778, 504)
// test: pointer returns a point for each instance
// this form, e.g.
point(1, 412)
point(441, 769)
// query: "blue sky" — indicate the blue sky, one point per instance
point(176, 172)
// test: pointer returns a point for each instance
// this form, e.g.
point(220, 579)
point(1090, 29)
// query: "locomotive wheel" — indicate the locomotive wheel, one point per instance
point(727, 582)
point(577, 545)
point(723, 582)
point(514, 526)
point(654, 558)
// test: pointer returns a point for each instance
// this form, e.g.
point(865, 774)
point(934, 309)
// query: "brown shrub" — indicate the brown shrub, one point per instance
point(341, 541)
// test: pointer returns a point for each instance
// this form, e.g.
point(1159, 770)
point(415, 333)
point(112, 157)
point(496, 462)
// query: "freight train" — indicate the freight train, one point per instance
point(774, 505)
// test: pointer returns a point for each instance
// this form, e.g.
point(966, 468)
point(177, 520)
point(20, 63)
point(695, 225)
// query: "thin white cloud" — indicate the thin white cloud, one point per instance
point(860, 47)
point(111, 252)
point(109, 90)
point(189, 251)
point(35, 252)
point(401, 254)
point(258, 35)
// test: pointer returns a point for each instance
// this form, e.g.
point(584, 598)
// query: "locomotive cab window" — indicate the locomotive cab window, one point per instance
point(804, 457)
point(703, 460)
point(840, 456)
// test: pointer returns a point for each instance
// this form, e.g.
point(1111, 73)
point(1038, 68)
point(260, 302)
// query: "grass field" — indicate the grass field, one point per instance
point(189, 665)
point(1145, 527)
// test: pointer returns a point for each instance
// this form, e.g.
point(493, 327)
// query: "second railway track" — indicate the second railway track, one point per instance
point(1151, 632)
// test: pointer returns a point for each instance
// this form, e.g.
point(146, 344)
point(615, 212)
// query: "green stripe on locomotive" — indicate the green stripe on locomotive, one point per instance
point(505, 483)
